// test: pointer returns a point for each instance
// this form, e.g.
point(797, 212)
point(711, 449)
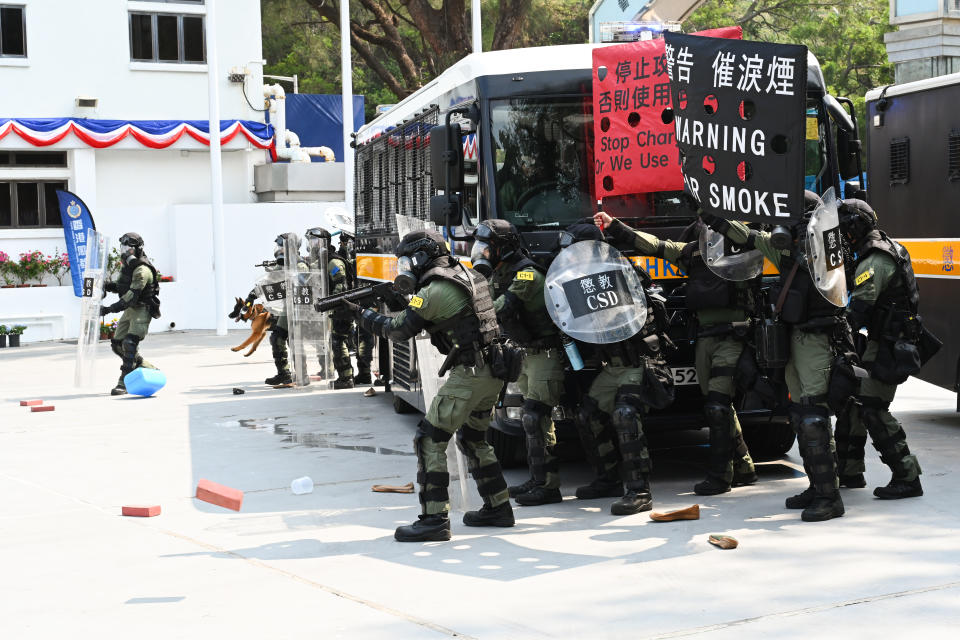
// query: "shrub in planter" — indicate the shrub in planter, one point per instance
point(32, 265)
point(58, 265)
point(15, 332)
point(3, 336)
point(6, 270)
point(107, 331)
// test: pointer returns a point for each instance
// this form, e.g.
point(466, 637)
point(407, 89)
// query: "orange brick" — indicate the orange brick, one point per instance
point(30, 403)
point(37, 409)
point(219, 495)
point(141, 511)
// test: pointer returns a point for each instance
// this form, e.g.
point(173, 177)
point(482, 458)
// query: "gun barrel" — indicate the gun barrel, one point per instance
point(356, 295)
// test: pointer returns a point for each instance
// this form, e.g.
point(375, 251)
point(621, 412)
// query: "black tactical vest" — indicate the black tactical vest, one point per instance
point(705, 289)
point(476, 326)
point(904, 292)
point(526, 327)
point(803, 302)
point(126, 278)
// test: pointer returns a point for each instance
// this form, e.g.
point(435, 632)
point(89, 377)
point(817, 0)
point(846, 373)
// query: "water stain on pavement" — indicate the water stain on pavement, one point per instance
point(314, 439)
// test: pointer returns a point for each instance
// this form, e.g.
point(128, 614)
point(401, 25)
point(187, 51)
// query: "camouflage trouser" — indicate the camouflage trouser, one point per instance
point(365, 344)
point(541, 384)
point(340, 334)
point(873, 416)
point(462, 406)
point(808, 379)
point(716, 361)
point(614, 401)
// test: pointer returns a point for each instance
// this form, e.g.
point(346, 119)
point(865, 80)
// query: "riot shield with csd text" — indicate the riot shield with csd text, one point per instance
point(272, 290)
point(305, 325)
point(93, 265)
point(727, 260)
point(593, 294)
point(318, 257)
point(825, 251)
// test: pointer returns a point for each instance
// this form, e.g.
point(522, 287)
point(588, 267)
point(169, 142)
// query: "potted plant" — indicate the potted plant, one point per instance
point(32, 265)
point(15, 332)
point(107, 331)
point(58, 265)
point(6, 270)
point(3, 336)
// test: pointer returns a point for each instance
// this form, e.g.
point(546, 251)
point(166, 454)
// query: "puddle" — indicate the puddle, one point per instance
point(315, 439)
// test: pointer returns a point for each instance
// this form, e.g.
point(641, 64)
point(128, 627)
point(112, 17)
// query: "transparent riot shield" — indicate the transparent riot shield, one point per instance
point(306, 327)
point(727, 260)
point(825, 251)
point(318, 257)
point(272, 289)
point(593, 294)
point(93, 265)
point(463, 497)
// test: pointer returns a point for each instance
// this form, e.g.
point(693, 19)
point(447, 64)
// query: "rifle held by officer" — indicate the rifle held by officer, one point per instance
point(364, 296)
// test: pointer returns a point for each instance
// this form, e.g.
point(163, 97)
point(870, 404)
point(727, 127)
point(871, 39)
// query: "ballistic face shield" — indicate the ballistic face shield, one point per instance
point(727, 260)
point(824, 249)
point(593, 294)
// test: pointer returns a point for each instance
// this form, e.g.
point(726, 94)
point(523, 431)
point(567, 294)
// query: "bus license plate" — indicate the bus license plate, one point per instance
point(684, 375)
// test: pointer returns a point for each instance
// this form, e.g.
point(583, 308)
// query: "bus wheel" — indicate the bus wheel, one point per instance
point(769, 440)
point(402, 406)
point(511, 451)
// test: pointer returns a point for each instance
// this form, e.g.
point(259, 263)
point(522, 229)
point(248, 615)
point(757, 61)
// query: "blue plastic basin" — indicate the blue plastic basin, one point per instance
point(144, 382)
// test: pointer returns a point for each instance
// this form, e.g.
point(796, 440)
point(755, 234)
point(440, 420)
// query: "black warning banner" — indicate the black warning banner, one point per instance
point(739, 115)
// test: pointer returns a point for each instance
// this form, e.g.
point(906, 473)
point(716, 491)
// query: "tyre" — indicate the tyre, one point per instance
point(769, 440)
point(511, 451)
point(402, 406)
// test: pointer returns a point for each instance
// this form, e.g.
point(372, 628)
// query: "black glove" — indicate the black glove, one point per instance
point(110, 287)
point(716, 223)
point(352, 308)
point(104, 310)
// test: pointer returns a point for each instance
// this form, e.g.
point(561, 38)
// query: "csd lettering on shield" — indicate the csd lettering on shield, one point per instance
point(603, 300)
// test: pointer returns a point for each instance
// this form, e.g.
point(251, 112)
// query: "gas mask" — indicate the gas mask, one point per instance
point(131, 245)
point(781, 238)
point(408, 270)
point(482, 256)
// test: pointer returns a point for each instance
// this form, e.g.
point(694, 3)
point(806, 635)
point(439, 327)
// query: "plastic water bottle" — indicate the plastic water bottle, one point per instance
point(302, 485)
point(573, 354)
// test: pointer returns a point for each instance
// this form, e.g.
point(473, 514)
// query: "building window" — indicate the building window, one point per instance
point(13, 31)
point(17, 159)
point(29, 204)
point(168, 38)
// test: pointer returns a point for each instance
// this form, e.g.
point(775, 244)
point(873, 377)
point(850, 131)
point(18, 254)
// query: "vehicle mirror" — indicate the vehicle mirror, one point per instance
point(848, 150)
point(446, 157)
point(837, 113)
point(443, 207)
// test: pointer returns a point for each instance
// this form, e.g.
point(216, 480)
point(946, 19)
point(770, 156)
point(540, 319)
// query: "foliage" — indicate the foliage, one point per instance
point(846, 37)
point(107, 330)
point(113, 264)
point(31, 265)
point(58, 265)
point(17, 329)
point(3, 329)
point(397, 47)
point(7, 267)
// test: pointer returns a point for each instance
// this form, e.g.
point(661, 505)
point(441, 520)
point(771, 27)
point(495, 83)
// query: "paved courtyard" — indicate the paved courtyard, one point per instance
point(325, 565)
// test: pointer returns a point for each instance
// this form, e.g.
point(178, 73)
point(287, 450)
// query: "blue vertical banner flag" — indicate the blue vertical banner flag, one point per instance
point(77, 224)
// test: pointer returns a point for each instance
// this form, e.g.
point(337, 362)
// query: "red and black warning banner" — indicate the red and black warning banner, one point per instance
point(635, 150)
point(739, 122)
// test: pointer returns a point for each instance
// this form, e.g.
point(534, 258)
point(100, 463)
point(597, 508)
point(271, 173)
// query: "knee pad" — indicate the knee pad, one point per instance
point(815, 429)
point(426, 430)
point(717, 415)
point(534, 412)
point(130, 343)
point(466, 441)
point(117, 347)
point(624, 418)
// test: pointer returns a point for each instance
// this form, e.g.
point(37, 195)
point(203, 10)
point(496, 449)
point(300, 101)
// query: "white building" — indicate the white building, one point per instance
point(126, 60)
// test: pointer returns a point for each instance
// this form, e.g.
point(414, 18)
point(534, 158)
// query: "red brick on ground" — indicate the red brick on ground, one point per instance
point(141, 511)
point(37, 409)
point(30, 403)
point(219, 495)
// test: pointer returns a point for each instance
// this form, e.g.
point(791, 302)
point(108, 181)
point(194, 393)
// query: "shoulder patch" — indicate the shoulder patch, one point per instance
point(525, 275)
point(416, 302)
point(863, 277)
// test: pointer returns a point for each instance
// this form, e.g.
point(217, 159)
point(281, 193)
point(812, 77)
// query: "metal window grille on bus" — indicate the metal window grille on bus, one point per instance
point(899, 161)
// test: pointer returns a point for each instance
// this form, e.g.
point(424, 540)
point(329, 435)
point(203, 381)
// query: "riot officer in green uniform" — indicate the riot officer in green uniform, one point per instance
point(885, 300)
point(517, 282)
point(811, 322)
point(617, 399)
point(341, 320)
point(364, 339)
point(718, 306)
point(279, 334)
point(138, 286)
point(453, 304)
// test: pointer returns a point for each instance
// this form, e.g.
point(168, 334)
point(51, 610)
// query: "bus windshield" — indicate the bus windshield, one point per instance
point(542, 160)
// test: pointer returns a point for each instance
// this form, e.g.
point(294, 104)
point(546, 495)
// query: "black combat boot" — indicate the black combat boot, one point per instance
point(278, 345)
point(363, 377)
point(607, 483)
point(539, 458)
point(282, 379)
point(487, 516)
point(600, 488)
point(718, 414)
point(517, 489)
point(538, 495)
point(121, 387)
point(899, 488)
point(822, 466)
point(853, 481)
point(343, 383)
point(802, 500)
point(743, 479)
point(635, 500)
point(431, 527)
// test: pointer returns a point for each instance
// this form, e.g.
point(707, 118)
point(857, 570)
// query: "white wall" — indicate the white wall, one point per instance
point(178, 239)
point(82, 48)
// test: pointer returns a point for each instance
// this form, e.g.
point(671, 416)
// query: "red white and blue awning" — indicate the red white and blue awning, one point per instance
point(155, 134)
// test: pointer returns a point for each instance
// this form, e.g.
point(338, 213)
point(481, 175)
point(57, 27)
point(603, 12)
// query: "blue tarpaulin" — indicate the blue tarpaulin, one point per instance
point(318, 120)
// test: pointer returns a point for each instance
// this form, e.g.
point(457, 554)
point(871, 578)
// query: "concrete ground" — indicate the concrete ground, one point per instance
point(325, 564)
